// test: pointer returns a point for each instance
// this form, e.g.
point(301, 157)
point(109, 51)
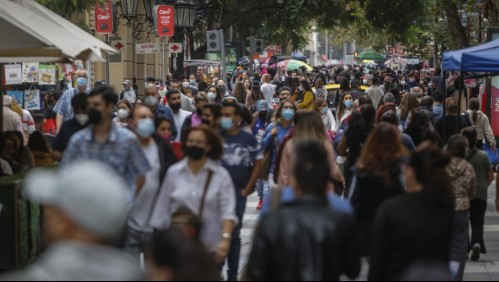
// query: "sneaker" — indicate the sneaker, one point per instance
point(260, 205)
point(475, 252)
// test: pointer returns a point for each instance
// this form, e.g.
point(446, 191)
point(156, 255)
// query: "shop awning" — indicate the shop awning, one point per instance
point(30, 32)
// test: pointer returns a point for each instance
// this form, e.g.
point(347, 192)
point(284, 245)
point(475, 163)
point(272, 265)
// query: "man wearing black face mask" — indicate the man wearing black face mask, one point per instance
point(196, 119)
point(104, 141)
point(179, 115)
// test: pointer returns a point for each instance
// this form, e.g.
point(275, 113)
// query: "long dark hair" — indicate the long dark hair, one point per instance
point(37, 142)
point(306, 85)
point(475, 107)
point(430, 166)
point(420, 128)
point(360, 126)
point(383, 148)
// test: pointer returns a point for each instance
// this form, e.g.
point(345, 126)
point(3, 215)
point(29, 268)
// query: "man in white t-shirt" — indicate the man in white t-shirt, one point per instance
point(160, 157)
point(268, 90)
point(175, 102)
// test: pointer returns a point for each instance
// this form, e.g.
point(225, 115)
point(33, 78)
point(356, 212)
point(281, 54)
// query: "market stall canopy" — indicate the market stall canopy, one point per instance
point(293, 65)
point(480, 58)
point(371, 55)
point(32, 33)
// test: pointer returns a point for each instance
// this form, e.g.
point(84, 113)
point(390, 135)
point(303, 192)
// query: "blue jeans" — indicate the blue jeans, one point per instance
point(262, 188)
point(235, 247)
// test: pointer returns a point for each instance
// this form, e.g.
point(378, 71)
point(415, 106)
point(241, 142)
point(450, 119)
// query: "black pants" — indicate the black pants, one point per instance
point(479, 145)
point(477, 219)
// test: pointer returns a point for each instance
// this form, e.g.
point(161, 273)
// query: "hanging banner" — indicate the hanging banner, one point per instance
point(32, 100)
point(18, 95)
point(79, 65)
point(47, 74)
point(104, 17)
point(13, 74)
point(494, 119)
point(30, 72)
point(164, 19)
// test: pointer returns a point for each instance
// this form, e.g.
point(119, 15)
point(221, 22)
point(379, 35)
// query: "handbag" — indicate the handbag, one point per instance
point(185, 216)
point(493, 156)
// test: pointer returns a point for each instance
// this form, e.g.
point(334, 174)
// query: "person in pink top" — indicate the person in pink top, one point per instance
point(196, 119)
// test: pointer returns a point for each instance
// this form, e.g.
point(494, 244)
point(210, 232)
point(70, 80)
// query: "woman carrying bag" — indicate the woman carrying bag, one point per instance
point(200, 186)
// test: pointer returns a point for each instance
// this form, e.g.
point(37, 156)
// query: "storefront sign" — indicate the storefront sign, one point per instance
point(164, 20)
point(104, 18)
point(494, 119)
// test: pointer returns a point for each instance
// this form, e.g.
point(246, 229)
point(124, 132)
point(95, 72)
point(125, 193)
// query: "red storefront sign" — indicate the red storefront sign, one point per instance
point(104, 18)
point(494, 119)
point(165, 20)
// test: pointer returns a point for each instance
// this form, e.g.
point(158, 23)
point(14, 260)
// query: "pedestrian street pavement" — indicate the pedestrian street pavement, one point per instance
point(486, 269)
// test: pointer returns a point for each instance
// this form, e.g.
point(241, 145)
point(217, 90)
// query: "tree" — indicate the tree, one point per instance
point(67, 8)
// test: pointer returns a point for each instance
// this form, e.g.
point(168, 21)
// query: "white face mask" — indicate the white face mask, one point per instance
point(82, 119)
point(185, 84)
point(123, 114)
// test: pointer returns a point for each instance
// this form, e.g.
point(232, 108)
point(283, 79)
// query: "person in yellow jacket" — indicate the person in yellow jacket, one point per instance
point(304, 97)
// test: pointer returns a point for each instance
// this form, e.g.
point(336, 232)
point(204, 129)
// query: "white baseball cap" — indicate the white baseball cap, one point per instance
point(89, 192)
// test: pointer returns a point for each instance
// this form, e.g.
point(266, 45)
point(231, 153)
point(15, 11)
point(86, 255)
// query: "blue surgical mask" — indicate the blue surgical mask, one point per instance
point(348, 104)
point(226, 123)
point(145, 127)
point(324, 111)
point(288, 114)
point(81, 81)
point(212, 96)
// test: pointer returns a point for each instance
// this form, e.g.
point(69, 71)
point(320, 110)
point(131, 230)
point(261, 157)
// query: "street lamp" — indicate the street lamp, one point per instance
point(129, 9)
point(185, 13)
point(149, 8)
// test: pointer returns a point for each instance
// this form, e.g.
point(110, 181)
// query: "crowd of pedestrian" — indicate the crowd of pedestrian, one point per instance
point(159, 180)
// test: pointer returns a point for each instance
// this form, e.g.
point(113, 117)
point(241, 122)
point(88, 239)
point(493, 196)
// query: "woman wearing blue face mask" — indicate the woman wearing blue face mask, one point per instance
point(275, 133)
point(344, 109)
point(214, 95)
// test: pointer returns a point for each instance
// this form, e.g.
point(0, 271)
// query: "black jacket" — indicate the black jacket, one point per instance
point(369, 193)
point(410, 229)
point(304, 241)
point(167, 157)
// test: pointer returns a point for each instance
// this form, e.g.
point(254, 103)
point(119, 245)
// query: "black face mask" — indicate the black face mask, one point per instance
point(175, 107)
point(199, 112)
point(263, 115)
point(205, 121)
point(94, 116)
point(194, 153)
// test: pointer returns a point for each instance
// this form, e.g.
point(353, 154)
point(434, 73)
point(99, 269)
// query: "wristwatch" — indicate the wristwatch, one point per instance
point(227, 236)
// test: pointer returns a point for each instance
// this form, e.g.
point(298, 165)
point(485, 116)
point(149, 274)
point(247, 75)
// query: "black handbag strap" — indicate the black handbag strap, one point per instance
point(205, 192)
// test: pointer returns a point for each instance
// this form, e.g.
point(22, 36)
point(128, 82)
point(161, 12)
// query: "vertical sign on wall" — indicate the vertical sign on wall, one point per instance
point(492, 102)
point(104, 17)
point(164, 20)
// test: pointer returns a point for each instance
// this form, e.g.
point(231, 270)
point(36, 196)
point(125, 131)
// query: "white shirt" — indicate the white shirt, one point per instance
point(130, 96)
point(268, 93)
point(329, 121)
point(179, 121)
point(184, 189)
point(11, 120)
point(28, 122)
point(141, 210)
point(375, 93)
